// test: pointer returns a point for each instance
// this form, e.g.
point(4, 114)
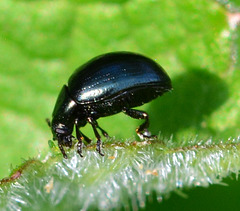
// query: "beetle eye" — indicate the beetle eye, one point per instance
point(60, 130)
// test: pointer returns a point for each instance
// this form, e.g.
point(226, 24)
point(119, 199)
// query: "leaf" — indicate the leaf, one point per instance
point(123, 178)
point(42, 42)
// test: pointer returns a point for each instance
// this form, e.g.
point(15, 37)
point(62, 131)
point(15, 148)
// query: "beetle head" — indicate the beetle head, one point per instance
point(62, 134)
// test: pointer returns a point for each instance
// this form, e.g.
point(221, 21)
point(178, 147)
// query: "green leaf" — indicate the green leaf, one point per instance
point(127, 174)
point(42, 42)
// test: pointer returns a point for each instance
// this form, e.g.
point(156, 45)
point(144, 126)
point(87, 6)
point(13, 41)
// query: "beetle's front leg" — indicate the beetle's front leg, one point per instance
point(62, 150)
point(64, 141)
point(99, 142)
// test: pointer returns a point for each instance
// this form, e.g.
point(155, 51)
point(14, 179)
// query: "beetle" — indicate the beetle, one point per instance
point(106, 85)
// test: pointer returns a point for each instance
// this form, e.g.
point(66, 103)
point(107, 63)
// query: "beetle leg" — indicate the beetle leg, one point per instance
point(88, 140)
point(80, 143)
point(79, 124)
point(99, 142)
point(142, 130)
point(102, 131)
point(62, 150)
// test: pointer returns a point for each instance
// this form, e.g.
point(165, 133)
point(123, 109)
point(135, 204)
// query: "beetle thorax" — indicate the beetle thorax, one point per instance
point(64, 115)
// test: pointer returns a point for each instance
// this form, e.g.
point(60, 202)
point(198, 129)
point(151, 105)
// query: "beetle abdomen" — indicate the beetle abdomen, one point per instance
point(112, 74)
point(126, 99)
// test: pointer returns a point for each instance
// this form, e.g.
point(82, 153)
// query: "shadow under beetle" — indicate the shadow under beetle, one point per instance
point(106, 85)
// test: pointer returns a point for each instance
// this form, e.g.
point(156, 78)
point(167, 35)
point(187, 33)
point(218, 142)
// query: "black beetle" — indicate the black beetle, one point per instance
point(106, 85)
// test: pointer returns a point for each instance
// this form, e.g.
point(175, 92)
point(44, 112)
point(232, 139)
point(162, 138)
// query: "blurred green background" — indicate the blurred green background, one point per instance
point(42, 42)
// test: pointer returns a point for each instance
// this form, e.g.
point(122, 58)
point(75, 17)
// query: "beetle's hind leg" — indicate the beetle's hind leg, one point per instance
point(142, 130)
point(95, 126)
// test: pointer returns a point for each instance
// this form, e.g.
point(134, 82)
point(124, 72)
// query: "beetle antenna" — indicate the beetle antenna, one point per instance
point(48, 122)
